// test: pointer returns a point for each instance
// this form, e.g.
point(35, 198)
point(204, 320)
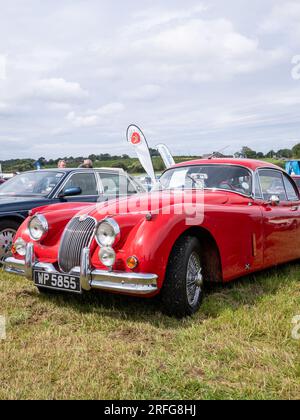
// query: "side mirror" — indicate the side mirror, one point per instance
point(274, 200)
point(70, 192)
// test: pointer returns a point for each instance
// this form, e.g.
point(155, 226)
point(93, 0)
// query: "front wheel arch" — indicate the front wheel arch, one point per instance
point(212, 265)
point(181, 283)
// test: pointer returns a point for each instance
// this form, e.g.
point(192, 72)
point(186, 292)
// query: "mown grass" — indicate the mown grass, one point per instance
point(239, 346)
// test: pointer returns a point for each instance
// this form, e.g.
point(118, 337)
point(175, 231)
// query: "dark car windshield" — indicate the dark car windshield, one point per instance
point(219, 177)
point(39, 183)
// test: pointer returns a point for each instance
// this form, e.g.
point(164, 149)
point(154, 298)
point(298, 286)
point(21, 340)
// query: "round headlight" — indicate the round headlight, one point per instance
point(107, 256)
point(108, 233)
point(38, 227)
point(20, 247)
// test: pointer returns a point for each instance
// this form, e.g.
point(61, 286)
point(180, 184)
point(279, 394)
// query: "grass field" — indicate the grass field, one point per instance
point(239, 346)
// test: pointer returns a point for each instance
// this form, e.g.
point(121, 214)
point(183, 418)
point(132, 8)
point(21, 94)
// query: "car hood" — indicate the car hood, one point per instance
point(15, 202)
point(156, 201)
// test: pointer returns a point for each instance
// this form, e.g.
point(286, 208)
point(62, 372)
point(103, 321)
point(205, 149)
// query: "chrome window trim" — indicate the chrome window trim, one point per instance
point(273, 170)
point(296, 190)
point(85, 171)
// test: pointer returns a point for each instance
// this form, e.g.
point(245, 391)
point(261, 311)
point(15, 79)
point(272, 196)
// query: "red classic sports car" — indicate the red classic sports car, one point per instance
point(206, 221)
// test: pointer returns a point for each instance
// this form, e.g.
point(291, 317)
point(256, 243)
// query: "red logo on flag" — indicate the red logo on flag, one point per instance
point(135, 138)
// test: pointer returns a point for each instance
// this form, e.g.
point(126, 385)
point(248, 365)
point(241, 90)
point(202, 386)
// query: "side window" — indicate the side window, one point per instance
point(87, 183)
point(290, 190)
point(115, 184)
point(272, 184)
point(111, 183)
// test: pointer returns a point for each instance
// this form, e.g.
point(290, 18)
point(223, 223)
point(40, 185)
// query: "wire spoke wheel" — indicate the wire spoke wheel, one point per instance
point(194, 279)
point(6, 241)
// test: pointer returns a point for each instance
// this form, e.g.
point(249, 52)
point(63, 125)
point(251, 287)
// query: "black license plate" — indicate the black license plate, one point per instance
point(57, 281)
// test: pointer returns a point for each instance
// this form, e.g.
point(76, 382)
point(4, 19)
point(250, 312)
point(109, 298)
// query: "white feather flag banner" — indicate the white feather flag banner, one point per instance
point(166, 155)
point(136, 138)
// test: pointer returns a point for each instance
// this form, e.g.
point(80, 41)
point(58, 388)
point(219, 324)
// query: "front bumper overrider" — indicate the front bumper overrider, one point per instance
point(114, 281)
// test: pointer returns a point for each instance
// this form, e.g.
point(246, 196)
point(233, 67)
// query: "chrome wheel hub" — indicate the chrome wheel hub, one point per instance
point(6, 241)
point(194, 281)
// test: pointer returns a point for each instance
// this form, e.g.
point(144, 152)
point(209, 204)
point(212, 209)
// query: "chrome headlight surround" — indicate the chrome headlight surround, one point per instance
point(108, 233)
point(38, 227)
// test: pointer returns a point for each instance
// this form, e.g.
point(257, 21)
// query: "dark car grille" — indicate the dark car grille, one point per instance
point(76, 237)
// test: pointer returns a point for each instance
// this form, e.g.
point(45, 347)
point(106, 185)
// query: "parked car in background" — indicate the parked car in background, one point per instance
point(296, 178)
point(33, 189)
point(249, 220)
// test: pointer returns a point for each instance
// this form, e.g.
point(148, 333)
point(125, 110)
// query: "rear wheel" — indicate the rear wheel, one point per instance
point(8, 230)
point(182, 292)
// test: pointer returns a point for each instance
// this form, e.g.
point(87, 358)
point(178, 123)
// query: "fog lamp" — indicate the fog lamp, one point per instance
point(19, 247)
point(107, 256)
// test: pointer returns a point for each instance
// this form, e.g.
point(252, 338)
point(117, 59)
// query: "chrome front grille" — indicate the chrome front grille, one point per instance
point(77, 236)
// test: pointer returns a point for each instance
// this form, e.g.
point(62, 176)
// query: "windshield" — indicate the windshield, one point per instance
point(31, 183)
point(221, 177)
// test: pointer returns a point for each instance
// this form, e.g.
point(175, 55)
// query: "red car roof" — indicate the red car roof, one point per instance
point(247, 163)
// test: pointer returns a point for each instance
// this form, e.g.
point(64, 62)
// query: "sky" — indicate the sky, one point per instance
point(197, 76)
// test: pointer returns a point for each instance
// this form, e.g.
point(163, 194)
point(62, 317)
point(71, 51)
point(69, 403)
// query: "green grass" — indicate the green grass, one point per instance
point(239, 346)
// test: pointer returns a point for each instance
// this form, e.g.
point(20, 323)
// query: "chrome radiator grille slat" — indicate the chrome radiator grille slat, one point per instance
point(76, 237)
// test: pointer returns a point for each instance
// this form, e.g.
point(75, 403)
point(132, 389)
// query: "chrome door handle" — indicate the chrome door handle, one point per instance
point(295, 208)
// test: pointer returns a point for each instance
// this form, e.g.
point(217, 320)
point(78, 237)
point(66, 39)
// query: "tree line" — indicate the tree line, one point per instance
point(132, 165)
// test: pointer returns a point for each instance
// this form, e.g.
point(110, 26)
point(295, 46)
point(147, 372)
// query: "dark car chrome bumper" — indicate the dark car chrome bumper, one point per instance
point(116, 281)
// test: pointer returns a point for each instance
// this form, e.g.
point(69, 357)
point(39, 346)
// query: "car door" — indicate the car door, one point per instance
point(85, 180)
point(281, 217)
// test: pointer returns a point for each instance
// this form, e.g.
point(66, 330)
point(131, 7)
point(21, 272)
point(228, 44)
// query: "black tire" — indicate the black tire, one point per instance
point(174, 295)
point(10, 225)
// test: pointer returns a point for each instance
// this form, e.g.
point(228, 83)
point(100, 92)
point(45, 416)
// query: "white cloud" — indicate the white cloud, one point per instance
point(283, 18)
point(197, 78)
point(145, 92)
point(3, 65)
point(57, 106)
point(193, 48)
point(93, 118)
point(145, 20)
point(58, 90)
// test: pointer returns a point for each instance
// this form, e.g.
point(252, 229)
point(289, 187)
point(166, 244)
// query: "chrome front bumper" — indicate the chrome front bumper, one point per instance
point(116, 281)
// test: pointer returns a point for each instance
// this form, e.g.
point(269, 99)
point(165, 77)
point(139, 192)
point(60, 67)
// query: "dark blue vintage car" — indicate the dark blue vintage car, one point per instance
point(33, 189)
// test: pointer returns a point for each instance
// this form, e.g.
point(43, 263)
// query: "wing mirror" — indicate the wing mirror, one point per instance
point(70, 192)
point(274, 200)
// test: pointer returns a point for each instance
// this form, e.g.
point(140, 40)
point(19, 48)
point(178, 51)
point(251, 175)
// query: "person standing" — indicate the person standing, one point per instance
point(87, 164)
point(62, 164)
